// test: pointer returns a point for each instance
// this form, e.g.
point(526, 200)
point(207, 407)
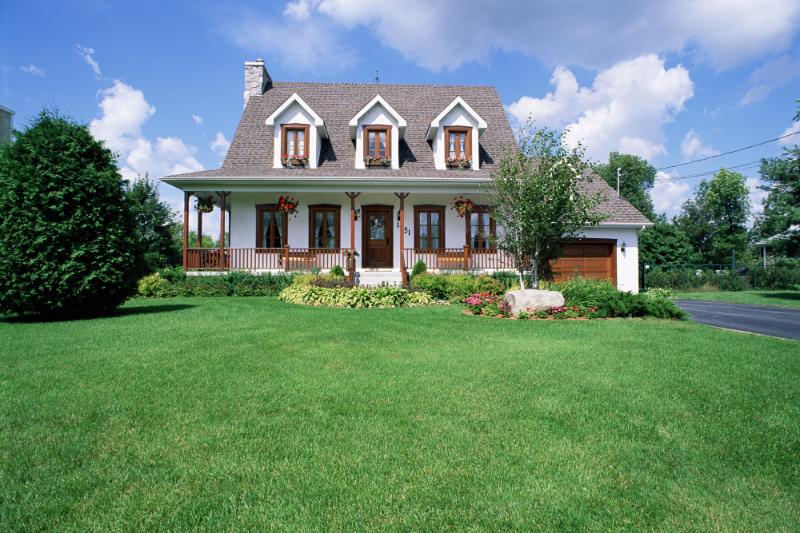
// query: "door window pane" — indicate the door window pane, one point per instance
point(376, 229)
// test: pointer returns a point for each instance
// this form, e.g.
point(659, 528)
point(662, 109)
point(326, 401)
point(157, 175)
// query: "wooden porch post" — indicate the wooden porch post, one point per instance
point(403, 273)
point(351, 263)
point(186, 195)
point(199, 229)
point(222, 231)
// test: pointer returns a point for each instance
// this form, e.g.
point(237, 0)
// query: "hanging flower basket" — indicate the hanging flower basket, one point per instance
point(288, 205)
point(291, 161)
point(205, 204)
point(378, 161)
point(463, 206)
point(461, 164)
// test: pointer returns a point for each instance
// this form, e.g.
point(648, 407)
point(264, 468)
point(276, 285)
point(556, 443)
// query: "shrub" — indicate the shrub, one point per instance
point(508, 279)
point(234, 283)
point(305, 294)
point(659, 293)
point(173, 274)
point(153, 285)
point(456, 287)
point(418, 268)
point(337, 271)
point(582, 291)
point(66, 229)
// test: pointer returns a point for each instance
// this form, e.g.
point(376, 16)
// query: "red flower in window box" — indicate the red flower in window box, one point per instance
point(288, 205)
point(463, 206)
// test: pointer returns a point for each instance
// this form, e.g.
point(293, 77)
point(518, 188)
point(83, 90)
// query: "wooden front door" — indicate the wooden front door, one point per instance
point(376, 236)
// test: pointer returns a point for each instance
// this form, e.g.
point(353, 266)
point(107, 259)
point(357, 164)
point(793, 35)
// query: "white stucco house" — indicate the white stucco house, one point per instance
point(365, 176)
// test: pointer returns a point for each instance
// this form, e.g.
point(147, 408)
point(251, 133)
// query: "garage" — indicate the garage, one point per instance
point(587, 258)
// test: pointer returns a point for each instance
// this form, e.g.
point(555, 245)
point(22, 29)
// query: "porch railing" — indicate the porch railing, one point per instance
point(286, 258)
point(464, 258)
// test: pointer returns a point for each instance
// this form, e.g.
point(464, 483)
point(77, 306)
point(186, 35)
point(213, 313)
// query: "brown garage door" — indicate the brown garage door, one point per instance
point(587, 259)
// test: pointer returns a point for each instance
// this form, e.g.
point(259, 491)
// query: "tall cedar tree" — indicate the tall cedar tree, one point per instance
point(153, 219)
point(66, 231)
point(714, 220)
point(537, 199)
point(636, 180)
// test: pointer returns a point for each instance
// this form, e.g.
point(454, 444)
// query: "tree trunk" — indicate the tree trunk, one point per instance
point(535, 271)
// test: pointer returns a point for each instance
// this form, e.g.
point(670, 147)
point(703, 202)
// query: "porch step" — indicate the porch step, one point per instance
point(373, 278)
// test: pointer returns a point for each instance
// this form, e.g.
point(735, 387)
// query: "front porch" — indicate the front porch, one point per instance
point(373, 236)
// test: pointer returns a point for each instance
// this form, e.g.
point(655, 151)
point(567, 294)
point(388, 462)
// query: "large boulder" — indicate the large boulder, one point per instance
point(532, 300)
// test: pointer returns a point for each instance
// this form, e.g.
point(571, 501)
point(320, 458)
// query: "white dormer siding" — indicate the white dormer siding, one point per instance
point(296, 112)
point(377, 113)
point(458, 113)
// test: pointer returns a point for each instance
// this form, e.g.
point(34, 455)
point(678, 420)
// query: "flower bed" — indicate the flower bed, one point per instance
point(585, 299)
point(174, 282)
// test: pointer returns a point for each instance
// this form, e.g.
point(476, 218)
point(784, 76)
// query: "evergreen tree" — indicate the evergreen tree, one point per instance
point(66, 232)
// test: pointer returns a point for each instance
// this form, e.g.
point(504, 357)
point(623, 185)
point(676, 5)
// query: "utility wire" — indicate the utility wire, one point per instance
point(730, 152)
point(740, 166)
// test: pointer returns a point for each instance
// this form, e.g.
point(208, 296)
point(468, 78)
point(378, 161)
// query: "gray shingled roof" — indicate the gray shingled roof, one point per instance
point(251, 150)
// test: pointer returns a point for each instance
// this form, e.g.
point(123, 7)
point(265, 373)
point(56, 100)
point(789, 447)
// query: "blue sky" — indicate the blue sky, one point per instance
point(672, 81)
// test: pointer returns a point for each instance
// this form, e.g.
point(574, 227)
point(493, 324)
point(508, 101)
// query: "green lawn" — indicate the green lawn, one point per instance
point(780, 298)
point(248, 413)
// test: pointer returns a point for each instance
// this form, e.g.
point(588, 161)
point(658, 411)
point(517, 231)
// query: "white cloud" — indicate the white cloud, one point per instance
point(692, 147)
point(88, 56)
point(298, 9)
point(124, 111)
point(308, 45)
point(769, 77)
point(220, 144)
point(792, 130)
point(33, 70)
point(447, 33)
point(197, 119)
point(624, 110)
point(668, 196)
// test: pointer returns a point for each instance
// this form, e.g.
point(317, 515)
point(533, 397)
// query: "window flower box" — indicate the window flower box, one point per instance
point(461, 164)
point(291, 161)
point(378, 161)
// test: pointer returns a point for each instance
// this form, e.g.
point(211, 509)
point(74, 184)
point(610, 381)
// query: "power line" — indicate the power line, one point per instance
point(730, 152)
point(740, 166)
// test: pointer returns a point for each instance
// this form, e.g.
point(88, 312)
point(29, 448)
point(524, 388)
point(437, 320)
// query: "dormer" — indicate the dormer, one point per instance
point(297, 134)
point(377, 130)
point(455, 136)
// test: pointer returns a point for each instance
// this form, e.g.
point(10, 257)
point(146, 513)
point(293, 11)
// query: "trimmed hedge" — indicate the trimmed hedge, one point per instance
point(170, 283)
point(306, 294)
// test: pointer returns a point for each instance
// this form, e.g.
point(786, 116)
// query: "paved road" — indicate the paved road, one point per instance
point(767, 320)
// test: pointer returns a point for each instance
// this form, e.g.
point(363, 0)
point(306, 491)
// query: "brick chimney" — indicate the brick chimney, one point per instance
point(256, 79)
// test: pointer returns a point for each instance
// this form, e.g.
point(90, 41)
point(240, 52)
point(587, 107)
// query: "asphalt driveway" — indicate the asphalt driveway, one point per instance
point(767, 320)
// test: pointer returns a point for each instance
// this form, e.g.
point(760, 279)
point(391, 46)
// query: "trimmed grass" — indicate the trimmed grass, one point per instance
point(780, 298)
point(248, 413)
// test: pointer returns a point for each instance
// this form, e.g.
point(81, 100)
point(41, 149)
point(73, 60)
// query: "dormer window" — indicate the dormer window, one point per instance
point(295, 144)
point(458, 145)
point(378, 145)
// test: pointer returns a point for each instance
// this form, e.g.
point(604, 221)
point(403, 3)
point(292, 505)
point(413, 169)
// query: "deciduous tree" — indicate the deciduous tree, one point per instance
point(537, 199)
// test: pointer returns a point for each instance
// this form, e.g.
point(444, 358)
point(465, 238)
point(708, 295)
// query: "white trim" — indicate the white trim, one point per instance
point(7, 110)
point(435, 123)
point(319, 124)
point(401, 122)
